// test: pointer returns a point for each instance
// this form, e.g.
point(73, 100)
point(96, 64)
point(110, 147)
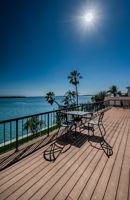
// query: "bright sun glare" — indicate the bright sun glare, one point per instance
point(89, 17)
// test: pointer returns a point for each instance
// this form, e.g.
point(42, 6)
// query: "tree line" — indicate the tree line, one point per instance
point(113, 91)
point(71, 97)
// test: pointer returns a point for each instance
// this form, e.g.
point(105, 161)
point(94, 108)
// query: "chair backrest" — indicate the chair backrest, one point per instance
point(61, 118)
point(100, 117)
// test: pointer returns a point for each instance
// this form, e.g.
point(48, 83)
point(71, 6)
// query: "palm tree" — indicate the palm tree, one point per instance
point(74, 80)
point(66, 100)
point(119, 93)
point(99, 96)
point(113, 90)
point(69, 98)
point(50, 98)
point(33, 124)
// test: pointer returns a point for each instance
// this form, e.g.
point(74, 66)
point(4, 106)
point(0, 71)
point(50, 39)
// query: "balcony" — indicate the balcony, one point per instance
point(81, 169)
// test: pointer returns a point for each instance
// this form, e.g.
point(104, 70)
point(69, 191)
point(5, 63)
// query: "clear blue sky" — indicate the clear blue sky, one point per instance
point(42, 41)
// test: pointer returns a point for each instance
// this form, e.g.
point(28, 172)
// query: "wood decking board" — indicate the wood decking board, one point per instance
point(83, 172)
point(110, 192)
point(104, 178)
point(52, 168)
point(22, 163)
point(27, 184)
point(77, 191)
point(9, 156)
point(76, 175)
point(58, 171)
point(42, 189)
point(88, 190)
point(129, 188)
point(124, 173)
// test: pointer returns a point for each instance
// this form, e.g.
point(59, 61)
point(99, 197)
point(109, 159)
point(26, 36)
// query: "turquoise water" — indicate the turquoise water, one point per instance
point(17, 107)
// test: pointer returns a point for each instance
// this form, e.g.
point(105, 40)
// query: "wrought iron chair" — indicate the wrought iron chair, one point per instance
point(64, 123)
point(87, 117)
point(98, 123)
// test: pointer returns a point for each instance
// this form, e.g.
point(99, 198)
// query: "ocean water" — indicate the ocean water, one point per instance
point(17, 107)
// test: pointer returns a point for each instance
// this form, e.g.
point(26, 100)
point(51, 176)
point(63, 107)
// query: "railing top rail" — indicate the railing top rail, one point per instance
point(37, 114)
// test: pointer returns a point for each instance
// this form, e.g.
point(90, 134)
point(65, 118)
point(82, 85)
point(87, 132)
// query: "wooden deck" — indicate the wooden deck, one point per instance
point(83, 169)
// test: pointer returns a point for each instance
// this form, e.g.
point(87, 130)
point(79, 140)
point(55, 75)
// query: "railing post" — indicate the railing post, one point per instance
point(16, 135)
point(82, 107)
point(48, 124)
point(4, 136)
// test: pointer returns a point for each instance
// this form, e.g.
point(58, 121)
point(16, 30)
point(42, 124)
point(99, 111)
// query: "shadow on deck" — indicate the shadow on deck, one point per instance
point(58, 145)
point(15, 156)
point(72, 166)
point(64, 143)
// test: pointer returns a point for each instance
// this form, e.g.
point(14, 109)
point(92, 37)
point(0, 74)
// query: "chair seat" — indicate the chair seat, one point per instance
point(67, 124)
point(95, 122)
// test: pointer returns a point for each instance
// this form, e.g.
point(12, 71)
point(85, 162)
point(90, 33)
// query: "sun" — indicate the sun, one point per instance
point(89, 17)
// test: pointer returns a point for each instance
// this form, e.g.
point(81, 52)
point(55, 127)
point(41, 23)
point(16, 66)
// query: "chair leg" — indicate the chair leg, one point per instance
point(100, 130)
point(63, 131)
point(68, 130)
point(75, 127)
point(104, 130)
point(88, 128)
point(93, 129)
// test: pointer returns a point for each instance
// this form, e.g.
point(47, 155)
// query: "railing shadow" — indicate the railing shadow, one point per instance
point(63, 144)
point(58, 145)
point(14, 157)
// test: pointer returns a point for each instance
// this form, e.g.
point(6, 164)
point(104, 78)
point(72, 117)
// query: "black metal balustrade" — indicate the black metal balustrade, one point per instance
point(13, 132)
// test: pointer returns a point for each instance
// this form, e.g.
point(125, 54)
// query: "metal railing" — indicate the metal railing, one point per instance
point(118, 103)
point(15, 132)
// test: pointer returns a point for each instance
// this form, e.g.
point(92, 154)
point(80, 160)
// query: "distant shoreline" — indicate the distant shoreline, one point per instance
point(2, 97)
point(12, 97)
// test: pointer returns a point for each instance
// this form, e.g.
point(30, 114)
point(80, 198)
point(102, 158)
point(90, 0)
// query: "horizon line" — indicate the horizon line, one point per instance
point(22, 96)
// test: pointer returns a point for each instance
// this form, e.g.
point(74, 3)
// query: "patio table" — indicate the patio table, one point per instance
point(80, 114)
point(77, 113)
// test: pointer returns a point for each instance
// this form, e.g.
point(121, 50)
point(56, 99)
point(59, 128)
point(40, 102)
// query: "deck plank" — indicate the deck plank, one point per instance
point(104, 178)
point(45, 182)
point(110, 192)
point(82, 192)
point(77, 174)
point(83, 172)
point(97, 174)
point(53, 183)
point(28, 181)
point(123, 190)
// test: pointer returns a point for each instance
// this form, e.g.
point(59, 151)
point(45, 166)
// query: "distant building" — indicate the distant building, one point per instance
point(119, 101)
point(128, 91)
